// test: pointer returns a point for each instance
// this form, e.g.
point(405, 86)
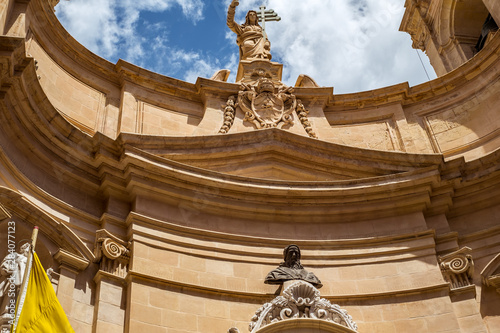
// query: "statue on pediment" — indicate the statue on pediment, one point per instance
point(251, 39)
point(291, 269)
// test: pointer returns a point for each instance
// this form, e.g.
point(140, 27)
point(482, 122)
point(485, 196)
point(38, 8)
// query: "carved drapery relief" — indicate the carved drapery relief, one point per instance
point(112, 254)
point(267, 104)
point(229, 112)
point(457, 268)
point(491, 274)
point(300, 300)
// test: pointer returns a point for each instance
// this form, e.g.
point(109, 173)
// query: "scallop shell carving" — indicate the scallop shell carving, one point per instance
point(302, 293)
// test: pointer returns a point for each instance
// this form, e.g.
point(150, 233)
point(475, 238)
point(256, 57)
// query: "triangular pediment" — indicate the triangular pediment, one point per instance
point(280, 155)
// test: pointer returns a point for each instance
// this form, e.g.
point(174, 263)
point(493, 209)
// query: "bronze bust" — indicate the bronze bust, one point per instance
point(291, 269)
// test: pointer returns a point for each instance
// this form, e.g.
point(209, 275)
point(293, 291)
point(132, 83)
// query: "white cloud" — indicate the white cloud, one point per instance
point(109, 27)
point(352, 45)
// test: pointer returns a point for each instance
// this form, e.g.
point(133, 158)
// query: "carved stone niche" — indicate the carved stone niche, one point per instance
point(112, 254)
point(457, 268)
point(491, 273)
point(301, 303)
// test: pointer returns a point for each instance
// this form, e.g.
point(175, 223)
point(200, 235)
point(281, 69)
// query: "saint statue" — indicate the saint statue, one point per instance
point(11, 271)
point(250, 38)
point(291, 269)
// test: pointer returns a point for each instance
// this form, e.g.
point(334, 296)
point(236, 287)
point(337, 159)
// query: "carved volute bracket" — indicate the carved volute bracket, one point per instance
point(112, 254)
point(491, 273)
point(300, 300)
point(457, 268)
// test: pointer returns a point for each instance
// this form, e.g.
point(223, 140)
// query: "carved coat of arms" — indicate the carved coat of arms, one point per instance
point(267, 105)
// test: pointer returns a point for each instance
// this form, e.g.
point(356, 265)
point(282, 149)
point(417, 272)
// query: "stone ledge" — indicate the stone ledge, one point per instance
point(133, 276)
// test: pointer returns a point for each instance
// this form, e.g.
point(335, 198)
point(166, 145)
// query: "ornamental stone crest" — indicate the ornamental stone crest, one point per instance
point(266, 104)
point(300, 300)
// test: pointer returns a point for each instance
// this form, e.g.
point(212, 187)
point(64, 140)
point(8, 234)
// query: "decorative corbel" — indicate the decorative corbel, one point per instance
point(457, 268)
point(112, 254)
point(490, 275)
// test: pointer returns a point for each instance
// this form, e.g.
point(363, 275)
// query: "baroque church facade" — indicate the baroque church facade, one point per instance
point(165, 206)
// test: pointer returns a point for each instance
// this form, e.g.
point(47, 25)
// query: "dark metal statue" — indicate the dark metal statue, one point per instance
point(291, 269)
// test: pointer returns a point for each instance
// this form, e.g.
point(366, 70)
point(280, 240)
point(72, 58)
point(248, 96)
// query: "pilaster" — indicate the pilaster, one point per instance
point(457, 269)
point(112, 256)
point(69, 267)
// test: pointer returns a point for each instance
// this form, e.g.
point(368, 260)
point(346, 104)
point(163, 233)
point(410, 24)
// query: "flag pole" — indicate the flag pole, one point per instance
point(34, 236)
point(27, 269)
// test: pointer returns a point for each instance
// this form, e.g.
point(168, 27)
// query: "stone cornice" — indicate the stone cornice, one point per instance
point(137, 277)
point(56, 231)
point(153, 232)
point(70, 260)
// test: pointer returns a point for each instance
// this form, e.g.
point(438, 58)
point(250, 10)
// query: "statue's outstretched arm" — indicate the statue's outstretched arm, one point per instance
point(235, 27)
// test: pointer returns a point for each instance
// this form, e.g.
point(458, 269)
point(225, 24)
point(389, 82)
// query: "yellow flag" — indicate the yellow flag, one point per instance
point(41, 312)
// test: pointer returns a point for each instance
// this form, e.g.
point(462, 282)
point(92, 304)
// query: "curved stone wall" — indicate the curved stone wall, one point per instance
point(400, 182)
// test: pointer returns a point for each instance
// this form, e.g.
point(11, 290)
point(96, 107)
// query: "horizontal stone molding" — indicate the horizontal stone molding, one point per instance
point(305, 325)
point(164, 235)
point(136, 277)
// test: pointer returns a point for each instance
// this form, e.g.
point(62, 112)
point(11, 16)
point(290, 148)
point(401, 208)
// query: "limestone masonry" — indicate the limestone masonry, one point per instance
point(163, 205)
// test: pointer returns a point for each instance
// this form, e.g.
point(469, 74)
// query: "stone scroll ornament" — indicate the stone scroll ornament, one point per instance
point(300, 300)
point(267, 105)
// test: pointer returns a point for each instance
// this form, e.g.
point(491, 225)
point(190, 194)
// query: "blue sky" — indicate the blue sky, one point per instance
point(352, 45)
